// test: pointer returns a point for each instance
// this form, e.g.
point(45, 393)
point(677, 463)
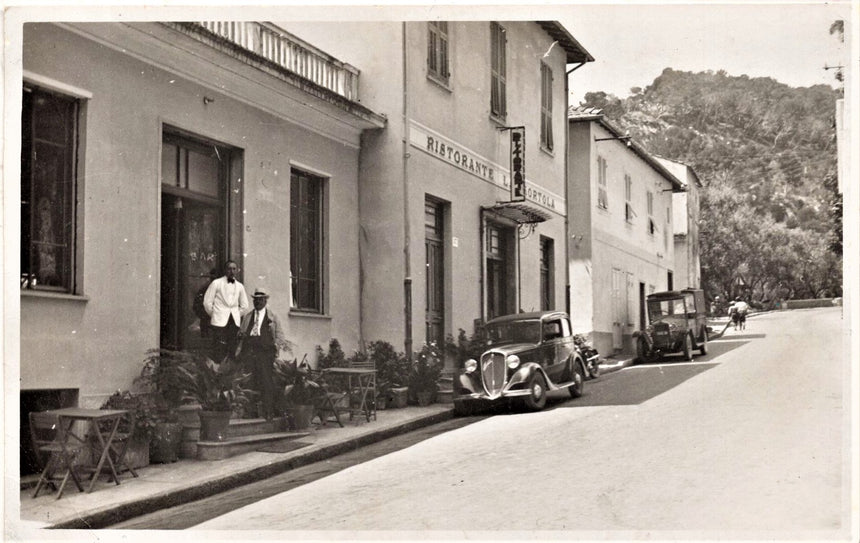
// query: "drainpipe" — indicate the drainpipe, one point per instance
point(407, 268)
point(567, 187)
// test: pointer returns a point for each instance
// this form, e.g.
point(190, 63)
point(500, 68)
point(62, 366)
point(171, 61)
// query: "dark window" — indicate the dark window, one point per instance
point(546, 276)
point(498, 82)
point(306, 241)
point(546, 106)
point(437, 50)
point(48, 186)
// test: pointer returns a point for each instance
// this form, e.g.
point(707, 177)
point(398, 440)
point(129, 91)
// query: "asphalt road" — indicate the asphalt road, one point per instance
point(746, 442)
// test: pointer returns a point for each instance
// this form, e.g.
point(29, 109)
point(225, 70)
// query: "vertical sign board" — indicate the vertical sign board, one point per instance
point(518, 164)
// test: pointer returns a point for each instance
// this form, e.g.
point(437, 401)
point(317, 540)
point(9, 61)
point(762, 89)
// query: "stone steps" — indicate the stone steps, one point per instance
point(238, 428)
point(219, 450)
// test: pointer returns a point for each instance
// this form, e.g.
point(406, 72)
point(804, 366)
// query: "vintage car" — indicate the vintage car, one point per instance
point(677, 324)
point(528, 354)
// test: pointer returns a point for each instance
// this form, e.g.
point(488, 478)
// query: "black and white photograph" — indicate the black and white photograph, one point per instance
point(431, 271)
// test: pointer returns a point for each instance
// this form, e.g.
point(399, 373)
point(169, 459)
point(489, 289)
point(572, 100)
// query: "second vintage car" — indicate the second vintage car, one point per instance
point(528, 354)
point(677, 323)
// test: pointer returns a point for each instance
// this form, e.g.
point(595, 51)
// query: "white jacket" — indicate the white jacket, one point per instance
point(223, 299)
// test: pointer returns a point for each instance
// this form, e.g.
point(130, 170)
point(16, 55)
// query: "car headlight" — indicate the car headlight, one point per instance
point(512, 361)
point(673, 326)
point(649, 329)
point(471, 365)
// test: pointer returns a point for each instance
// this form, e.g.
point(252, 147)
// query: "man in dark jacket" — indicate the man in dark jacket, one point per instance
point(261, 334)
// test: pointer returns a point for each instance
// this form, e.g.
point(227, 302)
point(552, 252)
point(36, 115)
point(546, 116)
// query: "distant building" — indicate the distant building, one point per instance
point(685, 210)
point(621, 230)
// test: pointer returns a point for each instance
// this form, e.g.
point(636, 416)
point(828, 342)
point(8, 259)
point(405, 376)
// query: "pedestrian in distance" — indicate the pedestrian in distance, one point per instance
point(738, 311)
point(260, 334)
point(225, 302)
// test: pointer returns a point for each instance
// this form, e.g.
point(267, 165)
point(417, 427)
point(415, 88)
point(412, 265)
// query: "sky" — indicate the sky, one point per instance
point(633, 44)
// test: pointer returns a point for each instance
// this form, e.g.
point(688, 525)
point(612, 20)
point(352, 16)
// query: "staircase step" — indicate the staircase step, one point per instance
point(238, 428)
point(219, 450)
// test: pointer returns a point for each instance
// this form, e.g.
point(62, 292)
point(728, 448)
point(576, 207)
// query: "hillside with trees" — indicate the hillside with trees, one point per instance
point(771, 216)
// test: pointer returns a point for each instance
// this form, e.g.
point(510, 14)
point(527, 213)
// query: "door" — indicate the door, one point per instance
point(193, 233)
point(435, 272)
point(500, 290)
point(191, 249)
point(619, 307)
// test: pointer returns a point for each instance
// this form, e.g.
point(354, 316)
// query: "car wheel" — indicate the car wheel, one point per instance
point(688, 347)
point(575, 389)
point(462, 409)
point(595, 369)
point(536, 399)
point(703, 346)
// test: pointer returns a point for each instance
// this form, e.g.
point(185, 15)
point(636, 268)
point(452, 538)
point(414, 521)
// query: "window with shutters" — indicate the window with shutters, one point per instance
point(498, 67)
point(546, 106)
point(437, 51)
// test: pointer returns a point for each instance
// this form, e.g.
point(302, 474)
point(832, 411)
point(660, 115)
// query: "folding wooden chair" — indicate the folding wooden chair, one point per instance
point(121, 442)
point(325, 405)
point(53, 451)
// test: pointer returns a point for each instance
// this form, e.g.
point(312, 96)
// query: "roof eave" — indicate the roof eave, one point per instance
point(576, 53)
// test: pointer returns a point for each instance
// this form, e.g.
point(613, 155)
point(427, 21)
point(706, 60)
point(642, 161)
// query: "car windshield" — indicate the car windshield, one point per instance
point(513, 332)
point(659, 310)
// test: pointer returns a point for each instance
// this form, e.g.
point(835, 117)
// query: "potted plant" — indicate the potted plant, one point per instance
point(392, 374)
point(162, 378)
point(220, 389)
point(426, 369)
point(301, 392)
point(142, 411)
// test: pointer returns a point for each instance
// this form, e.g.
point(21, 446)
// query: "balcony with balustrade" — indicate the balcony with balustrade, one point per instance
point(287, 57)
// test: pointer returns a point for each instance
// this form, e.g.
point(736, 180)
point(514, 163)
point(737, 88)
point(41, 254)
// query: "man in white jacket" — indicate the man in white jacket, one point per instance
point(226, 302)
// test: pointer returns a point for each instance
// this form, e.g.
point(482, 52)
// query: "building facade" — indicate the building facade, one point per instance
point(447, 238)
point(621, 226)
point(685, 209)
point(152, 153)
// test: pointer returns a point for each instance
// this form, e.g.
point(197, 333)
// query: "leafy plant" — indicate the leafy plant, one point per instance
point(392, 367)
point(464, 347)
point(215, 387)
point(334, 357)
point(142, 408)
point(163, 378)
point(299, 386)
point(426, 369)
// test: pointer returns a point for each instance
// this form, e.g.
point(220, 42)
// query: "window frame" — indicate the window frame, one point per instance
point(602, 193)
point(74, 102)
point(439, 52)
point(298, 243)
point(546, 136)
point(498, 71)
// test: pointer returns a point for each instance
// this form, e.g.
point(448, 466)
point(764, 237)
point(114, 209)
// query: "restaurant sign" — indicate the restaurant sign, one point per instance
point(460, 157)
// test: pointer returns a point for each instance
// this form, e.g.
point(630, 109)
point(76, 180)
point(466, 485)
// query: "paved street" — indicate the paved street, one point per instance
point(744, 442)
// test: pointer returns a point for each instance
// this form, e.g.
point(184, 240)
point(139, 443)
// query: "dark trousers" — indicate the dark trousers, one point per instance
point(260, 359)
point(225, 339)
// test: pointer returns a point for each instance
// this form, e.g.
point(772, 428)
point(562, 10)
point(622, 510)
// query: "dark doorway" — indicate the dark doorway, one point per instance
point(193, 232)
point(642, 322)
point(39, 400)
point(434, 250)
point(499, 250)
point(670, 283)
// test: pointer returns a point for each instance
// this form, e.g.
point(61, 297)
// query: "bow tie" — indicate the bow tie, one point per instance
point(231, 280)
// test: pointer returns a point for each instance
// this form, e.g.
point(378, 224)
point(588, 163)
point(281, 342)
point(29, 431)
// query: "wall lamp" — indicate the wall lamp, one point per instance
point(626, 139)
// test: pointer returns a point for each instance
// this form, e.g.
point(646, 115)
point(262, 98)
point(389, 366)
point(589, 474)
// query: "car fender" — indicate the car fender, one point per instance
point(525, 372)
point(468, 381)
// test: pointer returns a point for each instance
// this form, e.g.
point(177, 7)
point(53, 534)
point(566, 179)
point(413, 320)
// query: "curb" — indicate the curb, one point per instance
point(110, 515)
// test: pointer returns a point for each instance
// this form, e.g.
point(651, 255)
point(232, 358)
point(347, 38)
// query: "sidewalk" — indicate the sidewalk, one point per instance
point(159, 486)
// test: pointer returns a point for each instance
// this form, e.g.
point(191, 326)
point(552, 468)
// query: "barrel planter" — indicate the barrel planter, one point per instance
point(299, 417)
point(165, 442)
point(214, 425)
